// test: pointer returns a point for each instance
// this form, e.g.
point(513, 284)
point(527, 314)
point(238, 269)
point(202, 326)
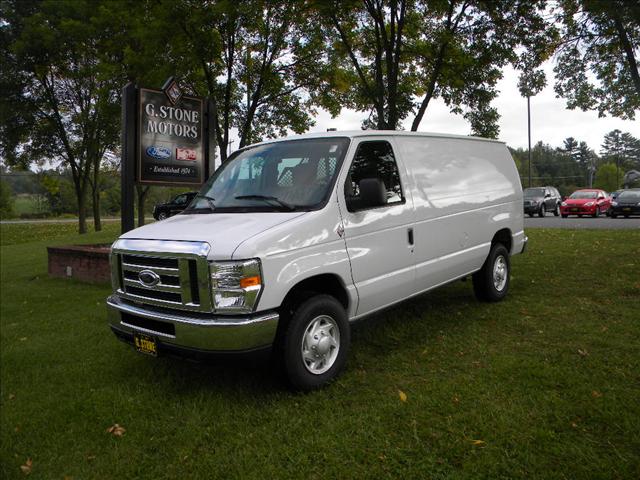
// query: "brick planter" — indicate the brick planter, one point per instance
point(87, 263)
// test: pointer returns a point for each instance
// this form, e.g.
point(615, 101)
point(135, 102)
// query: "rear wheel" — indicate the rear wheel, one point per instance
point(491, 282)
point(316, 343)
point(543, 211)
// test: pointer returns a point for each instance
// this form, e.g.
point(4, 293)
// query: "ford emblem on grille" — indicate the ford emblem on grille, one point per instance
point(148, 278)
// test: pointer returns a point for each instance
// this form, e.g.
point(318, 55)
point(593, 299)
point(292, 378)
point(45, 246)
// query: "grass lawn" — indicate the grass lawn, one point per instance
point(543, 385)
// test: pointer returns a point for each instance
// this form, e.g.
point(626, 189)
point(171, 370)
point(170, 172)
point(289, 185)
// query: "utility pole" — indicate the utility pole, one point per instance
point(529, 131)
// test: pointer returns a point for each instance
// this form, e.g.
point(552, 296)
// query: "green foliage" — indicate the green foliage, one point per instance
point(597, 63)
point(393, 57)
point(6, 200)
point(608, 177)
point(623, 149)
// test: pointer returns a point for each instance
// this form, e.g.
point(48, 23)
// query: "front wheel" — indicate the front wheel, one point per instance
point(162, 216)
point(596, 214)
point(543, 211)
point(564, 215)
point(556, 212)
point(614, 215)
point(491, 282)
point(316, 343)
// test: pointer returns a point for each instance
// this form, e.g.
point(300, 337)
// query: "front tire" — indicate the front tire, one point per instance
point(556, 212)
point(596, 214)
point(491, 282)
point(316, 343)
point(614, 215)
point(162, 216)
point(543, 211)
point(564, 215)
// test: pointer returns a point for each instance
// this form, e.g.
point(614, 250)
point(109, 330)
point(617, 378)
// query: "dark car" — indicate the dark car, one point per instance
point(172, 207)
point(541, 200)
point(627, 203)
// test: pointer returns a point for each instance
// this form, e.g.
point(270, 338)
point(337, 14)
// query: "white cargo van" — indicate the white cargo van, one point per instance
point(291, 240)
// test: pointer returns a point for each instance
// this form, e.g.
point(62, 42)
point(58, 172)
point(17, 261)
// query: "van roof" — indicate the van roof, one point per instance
point(371, 133)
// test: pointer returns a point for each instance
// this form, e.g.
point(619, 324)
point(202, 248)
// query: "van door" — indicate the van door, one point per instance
point(379, 232)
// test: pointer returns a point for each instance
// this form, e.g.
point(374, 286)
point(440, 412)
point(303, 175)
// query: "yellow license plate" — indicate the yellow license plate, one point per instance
point(145, 344)
point(627, 209)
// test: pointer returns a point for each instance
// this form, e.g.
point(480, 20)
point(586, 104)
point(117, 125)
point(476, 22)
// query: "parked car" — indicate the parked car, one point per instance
point(173, 206)
point(588, 201)
point(627, 203)
point(612, 196)
point(292, 240)
point(540, 200)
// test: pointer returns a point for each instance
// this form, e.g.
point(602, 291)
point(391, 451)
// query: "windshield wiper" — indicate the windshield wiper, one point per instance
point(210, 200)
point(282, 203)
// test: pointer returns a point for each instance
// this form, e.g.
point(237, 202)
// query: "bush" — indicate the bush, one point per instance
point(6, 200)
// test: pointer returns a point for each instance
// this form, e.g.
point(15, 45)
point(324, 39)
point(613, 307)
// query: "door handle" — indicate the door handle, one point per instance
point(410, 236)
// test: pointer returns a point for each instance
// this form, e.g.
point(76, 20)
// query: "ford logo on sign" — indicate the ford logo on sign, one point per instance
point(148, 278)
point(159, 153)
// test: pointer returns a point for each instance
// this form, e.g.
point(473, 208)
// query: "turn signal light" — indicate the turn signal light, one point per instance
point(250, 281)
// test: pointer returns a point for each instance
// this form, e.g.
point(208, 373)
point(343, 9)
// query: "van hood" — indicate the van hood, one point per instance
point(223, 231)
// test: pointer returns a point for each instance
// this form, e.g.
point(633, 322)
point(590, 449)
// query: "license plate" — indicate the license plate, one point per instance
point(574, 209)
point(627, 209)
point(145, 344)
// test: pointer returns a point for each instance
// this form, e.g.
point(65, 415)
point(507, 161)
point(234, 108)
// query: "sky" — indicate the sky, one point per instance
point(551, 121)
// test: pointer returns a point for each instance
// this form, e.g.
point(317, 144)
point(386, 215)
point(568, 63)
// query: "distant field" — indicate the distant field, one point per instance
point(543, 385)
point(28, 204)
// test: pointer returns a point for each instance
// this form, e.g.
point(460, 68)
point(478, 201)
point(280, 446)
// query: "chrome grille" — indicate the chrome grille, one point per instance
point(181, 270)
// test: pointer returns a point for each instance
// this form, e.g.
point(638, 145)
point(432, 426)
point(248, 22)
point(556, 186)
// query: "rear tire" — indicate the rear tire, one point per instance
point(491, 282)
point(316, 343)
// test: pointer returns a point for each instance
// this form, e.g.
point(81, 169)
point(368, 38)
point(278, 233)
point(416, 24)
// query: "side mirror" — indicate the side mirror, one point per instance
point(373, 193)
point(547, 195)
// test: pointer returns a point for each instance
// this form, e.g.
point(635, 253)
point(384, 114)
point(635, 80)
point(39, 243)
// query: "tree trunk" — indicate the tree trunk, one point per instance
point(97, 221)
point(82, 213)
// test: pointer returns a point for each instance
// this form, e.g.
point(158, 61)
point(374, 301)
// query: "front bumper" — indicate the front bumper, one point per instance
point(625, 210)
point(531, 208)
point(192, 331)
point(578, 210)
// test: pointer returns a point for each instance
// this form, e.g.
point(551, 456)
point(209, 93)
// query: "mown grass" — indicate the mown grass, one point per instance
point(15, 233)
point(543, 385)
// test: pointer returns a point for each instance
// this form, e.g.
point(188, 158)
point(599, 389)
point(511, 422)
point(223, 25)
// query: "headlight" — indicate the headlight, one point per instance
point(614, 204)
point(588, 204)
point(236, 286)
point(564, 204)
point(534, 202)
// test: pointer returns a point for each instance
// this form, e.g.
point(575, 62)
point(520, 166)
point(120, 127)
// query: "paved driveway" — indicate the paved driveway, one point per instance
point(550, 221)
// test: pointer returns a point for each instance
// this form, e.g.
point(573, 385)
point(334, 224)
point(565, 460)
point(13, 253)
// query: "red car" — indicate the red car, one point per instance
point(588, 201)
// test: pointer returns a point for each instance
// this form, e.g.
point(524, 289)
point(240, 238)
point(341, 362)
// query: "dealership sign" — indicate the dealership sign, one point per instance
point(170, 137)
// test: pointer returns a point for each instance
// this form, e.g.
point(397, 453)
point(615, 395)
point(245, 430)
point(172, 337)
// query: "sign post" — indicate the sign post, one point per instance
point(165, 141)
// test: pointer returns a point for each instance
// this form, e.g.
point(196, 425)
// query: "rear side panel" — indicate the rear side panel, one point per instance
point(464, 191)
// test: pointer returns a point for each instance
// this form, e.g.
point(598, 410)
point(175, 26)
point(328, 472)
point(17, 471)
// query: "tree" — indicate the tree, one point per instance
point(606, 177)
point(393, 57)
point(256, 60)
point(597, 63)
point(621, 149)
point(66, 101)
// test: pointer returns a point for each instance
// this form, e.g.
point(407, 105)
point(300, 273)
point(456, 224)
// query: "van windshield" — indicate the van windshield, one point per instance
point(283, 176)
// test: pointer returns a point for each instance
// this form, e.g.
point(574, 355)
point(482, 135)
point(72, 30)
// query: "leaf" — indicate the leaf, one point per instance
point(402, 395)
point(583, 352)
point(11, 396)
point(116, 430)
point(26, 468)
point(596, 394)
point(477, 443)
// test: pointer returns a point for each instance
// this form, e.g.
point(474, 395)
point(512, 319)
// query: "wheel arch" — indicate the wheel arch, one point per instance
point(505, 237)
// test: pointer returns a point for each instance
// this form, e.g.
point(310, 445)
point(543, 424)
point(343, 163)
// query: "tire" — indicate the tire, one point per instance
point(162, 216)
point(531, 215)
point(489, 284)
point(614, 215)
point(325, 315)
point(543, 211)
point(579, 216)
point(596, 214)
point(564, 215)
point(556, 212)
point(626, 215)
